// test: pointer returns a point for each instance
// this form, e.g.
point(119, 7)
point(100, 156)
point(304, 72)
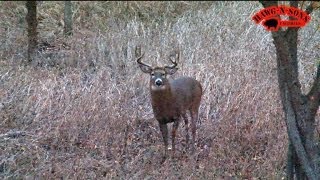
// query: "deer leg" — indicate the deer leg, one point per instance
point(187, 129)
point(164, 131)
point(194, 116)
point(174, 131)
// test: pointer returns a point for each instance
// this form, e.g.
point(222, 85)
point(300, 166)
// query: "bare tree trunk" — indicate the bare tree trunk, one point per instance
point(290, 160)
point(300, 109)
point(67, 18)
point(32, 28)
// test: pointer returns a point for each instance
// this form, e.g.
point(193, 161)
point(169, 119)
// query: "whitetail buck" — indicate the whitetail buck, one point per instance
point(171, 99)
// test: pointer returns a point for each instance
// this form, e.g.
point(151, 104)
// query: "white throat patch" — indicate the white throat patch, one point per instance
point(158, 88)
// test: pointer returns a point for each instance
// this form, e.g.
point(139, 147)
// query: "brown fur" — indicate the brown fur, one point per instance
point(172, 99)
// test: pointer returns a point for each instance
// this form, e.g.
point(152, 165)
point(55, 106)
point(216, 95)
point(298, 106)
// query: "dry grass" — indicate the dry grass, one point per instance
point(85, 111)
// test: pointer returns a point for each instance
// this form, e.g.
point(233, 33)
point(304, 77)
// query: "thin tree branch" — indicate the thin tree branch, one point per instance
point(302, 4)
point(310, 8)
point(294, 4)
point(266, 4)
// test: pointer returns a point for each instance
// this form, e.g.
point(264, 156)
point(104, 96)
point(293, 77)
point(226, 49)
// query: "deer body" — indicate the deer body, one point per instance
point(172, 99)
point(168, 104)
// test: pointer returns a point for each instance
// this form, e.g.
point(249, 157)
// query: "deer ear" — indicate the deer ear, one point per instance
point(170, 70)
point(145, 69)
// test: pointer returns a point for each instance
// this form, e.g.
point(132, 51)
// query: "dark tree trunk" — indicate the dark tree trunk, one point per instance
point(67, 18)
point(32, 28)
point(300, 109)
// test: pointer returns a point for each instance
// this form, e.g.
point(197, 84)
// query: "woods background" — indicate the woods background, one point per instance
point(82, 107)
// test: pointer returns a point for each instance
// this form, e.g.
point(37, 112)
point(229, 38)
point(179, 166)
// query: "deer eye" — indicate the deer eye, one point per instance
point(152, 73)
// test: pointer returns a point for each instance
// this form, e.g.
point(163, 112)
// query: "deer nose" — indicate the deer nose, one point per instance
point(158, 82)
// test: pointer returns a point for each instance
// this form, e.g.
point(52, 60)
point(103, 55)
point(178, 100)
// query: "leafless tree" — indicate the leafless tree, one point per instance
point(32, 28)
point(300, 109)
point(67, 18)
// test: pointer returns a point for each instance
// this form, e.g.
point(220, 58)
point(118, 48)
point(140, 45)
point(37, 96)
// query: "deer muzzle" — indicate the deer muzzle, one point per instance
point(158, 82)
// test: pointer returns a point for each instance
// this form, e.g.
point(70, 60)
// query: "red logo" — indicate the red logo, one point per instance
point(270, 17)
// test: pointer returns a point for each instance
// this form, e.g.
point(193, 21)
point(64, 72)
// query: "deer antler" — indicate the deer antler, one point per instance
point(139, 56)
point(174, 62)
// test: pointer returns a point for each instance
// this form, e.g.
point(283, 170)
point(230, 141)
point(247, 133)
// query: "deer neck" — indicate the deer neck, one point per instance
point(163, 97)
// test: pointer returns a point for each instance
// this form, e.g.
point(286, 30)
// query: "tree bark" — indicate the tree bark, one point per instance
point(300, 110)
point(32, 28)
point(68, 18)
